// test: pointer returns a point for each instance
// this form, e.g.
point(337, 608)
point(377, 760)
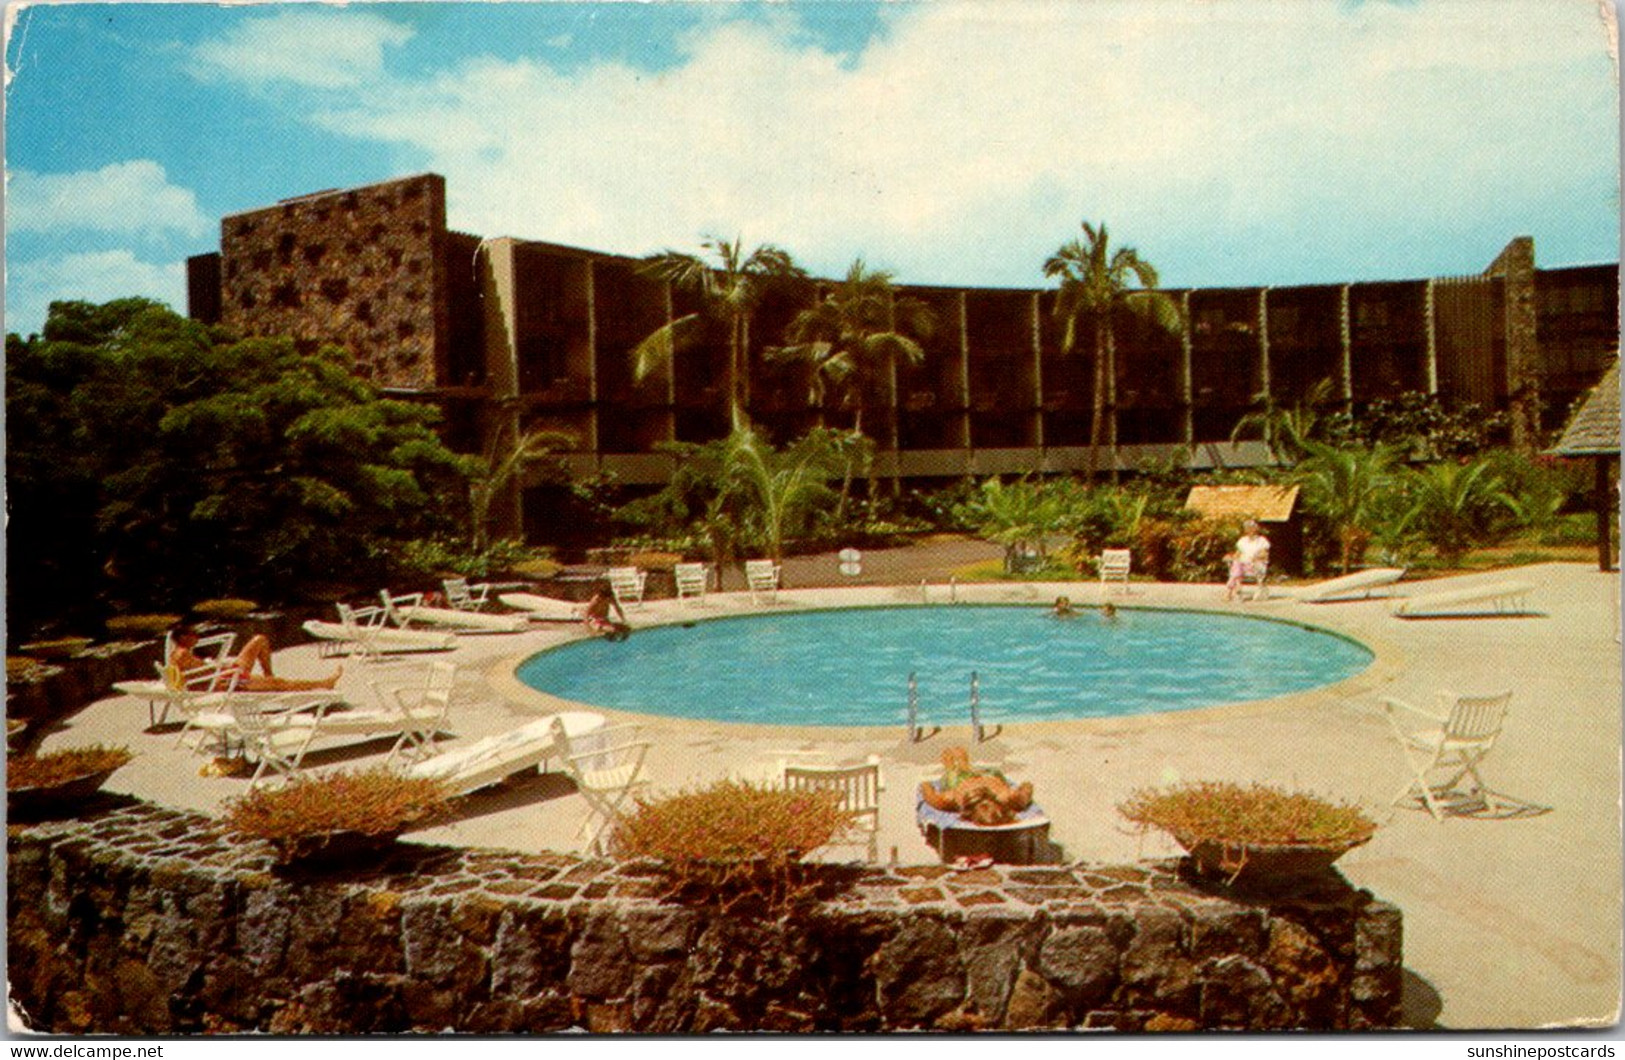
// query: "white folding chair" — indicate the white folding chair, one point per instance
point(762, 576)
point(606, 765)
point(627, 584)
point(1460, 734)
point(461, 596)
point(1114, 567)
point(422, 711)
point(859, 787)
point(692, 581)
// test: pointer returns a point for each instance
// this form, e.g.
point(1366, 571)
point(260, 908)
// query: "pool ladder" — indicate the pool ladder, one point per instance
point(953, 590)
point(917, 732)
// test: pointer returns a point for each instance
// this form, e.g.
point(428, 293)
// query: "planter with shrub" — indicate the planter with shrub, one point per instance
point(40, 785)
point(1252, 834)
point(138, 626)
point(733, 841)
point(338, 817)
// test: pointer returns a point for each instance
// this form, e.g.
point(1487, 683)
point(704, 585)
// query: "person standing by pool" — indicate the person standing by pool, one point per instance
point(1251, 557)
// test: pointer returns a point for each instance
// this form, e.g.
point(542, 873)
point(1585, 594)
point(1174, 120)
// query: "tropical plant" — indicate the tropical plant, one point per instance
point(1095, 283)
point(1287, 432)
point(507, 453)
point(1454, 505)
point(301, 816)
point(730, 287)
point(852, 340)
point(1418, 426)
point(1022, 516)
point(1344, 488)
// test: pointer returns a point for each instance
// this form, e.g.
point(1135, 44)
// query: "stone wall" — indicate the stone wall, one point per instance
point(362, 268)
point(139, 920)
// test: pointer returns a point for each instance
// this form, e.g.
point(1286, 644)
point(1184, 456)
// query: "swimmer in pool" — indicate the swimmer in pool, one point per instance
point(1063, 607)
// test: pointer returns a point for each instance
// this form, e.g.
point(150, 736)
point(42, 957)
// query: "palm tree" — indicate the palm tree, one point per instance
point(501, 465)
point(1452, 505)
point(1286, 432)
point(1095, 283)
point(853, 338)
point(730, 288)
point(1346, 487)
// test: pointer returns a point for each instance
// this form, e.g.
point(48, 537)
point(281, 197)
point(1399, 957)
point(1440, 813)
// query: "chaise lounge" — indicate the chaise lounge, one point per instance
point(1498, 598)
point(1356, 586)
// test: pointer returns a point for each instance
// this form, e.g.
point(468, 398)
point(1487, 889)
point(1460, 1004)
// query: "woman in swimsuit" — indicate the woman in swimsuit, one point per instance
point(256, 651)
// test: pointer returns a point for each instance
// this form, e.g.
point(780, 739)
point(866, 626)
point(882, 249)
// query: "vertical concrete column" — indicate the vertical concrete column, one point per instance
point(1345, 364)
point(589, 292)
point(1035, 326)
point(1264, 383)
point(963, 372)
point(1187, 412)
point(1516, 264)
point(500, 419)
point(1430, 362)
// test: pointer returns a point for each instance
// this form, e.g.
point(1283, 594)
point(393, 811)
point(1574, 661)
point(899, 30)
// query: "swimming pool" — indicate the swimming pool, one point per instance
point(851, 666)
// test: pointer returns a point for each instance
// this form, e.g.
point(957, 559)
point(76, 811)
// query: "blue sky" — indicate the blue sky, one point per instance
point(953, 141)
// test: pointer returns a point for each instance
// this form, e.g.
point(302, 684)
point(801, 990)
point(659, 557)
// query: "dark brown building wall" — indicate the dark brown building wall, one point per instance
point(203, 288)
point(363, 268)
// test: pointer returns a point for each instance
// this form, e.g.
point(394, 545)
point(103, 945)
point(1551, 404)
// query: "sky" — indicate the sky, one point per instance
point(1231, 142)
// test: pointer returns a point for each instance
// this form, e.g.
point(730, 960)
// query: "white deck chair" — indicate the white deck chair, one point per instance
point(361, 631)
point(175, 688)
point(1461, 733)
point(543, 608)
point(692, 581)
point(420, 711)
point(627, 583)
point(410, 612)
point(762, 576)
point(1356, 586)
point(606, 775)
point(1115, 564)
point(461, 596)
point(859, 787)
point(493, 759)
point(1496, 598)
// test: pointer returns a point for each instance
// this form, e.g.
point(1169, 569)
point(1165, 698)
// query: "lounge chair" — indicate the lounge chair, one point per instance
point(1115, 564)
point(409, 610)
point(1356, 586)
point(361, 630)
point(1460, 733)
point(461, 596)
point(859, 787)
point(762, 577)
point(692, 581)
point(543, 608)
point(495, 758)
point(1498, 598)
point(606, 775)
point(173, 687)
point(627, 583)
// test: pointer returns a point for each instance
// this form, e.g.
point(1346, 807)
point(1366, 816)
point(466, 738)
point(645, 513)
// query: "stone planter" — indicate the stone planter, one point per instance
point(63, 799)
point(1256, 865)
point(335, 850)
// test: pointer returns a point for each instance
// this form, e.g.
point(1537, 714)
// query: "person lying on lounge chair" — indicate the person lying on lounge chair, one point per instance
point(980, 796)
point(256, 652)
point(597, 617)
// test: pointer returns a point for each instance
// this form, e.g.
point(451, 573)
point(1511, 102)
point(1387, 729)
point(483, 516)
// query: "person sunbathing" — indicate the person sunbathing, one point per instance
point(257, 652)
point(596, 616)
point(981, 796)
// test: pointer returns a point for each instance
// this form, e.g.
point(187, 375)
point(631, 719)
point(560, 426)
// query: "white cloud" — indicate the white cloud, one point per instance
point(93, 276)
point(125, 197)
point(968, 141)
point(303, 47)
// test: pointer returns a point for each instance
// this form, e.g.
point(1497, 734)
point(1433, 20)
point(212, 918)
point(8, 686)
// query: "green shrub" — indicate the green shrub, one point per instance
point(374, 802)
point(225, 610)
point(59, 767)
point(733, 840)
point(1256, 814)
point(540, 569)
point(1199, 548)
point(141, 625)
point(56, 648)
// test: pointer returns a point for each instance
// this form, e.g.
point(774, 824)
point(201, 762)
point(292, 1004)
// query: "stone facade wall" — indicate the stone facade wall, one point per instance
point(362, 268)
point(139, 920)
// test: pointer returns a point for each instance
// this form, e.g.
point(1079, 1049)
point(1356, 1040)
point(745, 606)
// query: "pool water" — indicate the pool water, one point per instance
point(851, 666)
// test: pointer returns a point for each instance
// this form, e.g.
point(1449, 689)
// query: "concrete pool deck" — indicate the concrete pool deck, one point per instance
point(1512, 922)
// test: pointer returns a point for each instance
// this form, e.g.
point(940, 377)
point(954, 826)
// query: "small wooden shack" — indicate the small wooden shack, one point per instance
point(1593, 433)
point(1275, 508)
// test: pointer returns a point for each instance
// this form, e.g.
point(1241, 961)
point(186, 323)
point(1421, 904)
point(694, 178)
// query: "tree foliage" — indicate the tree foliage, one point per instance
point(155, 462)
